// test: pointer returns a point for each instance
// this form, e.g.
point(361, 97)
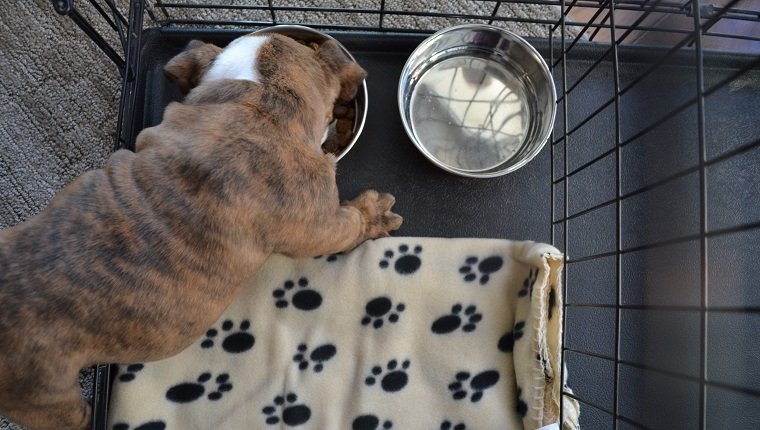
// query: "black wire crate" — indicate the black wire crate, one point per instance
point(650, 182)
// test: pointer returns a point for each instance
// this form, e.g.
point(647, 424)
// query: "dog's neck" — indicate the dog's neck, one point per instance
point(251, 72)
point(284, 108)
point(237, 61)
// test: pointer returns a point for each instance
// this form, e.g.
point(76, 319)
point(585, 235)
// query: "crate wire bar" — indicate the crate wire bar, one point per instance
point(619, 50)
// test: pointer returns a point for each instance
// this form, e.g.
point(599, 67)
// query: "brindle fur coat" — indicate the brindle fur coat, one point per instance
point(133, 262)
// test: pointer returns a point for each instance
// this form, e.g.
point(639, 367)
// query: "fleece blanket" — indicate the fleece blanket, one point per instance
point(401, 333)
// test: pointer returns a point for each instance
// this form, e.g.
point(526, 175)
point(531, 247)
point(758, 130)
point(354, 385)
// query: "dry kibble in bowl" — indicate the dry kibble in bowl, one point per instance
point(341, 129)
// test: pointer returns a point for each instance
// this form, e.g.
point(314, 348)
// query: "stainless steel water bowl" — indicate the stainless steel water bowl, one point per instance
point(300, 32)
point(477, 100)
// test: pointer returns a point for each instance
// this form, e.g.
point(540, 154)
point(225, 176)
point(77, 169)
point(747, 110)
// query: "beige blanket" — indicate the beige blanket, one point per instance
point(402, 333)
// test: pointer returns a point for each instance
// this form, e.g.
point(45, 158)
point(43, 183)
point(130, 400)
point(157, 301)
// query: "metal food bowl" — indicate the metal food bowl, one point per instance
point(309, 35)
point(477, 100)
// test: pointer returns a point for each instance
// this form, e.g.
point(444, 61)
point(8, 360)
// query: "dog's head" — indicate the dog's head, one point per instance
point(321, 73)
point(188, 67)
point(338, 64)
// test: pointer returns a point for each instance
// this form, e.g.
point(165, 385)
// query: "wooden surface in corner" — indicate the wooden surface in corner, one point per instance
point(678, 22)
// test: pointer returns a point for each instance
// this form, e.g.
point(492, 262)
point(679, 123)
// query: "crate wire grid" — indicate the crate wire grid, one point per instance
point(612, 25)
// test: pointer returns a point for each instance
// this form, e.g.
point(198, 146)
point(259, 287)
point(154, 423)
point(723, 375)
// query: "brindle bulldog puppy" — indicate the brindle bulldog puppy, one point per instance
point(133, 262)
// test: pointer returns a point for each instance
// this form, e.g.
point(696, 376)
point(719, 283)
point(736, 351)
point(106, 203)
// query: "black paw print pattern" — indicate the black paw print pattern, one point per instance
point(451, 322)
point(239, 341)
point(370, 422)
point(394, 379)
point(407, 263)
point(304, 298)
point(152, 425)
point(131, 372)
point(286, 411)
point(318, 356)
point(530, 280)
point(187, 392)
point(522, 407)
point(379, 309)
point(474, 269)
point(507, 342)
point(448, 425)
point(331, 258)
point(478, 383)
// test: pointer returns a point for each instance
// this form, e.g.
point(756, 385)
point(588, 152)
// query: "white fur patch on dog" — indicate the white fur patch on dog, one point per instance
point(237, 61)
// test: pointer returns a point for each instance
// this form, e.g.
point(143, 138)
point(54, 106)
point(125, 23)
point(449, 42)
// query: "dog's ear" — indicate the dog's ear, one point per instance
point(350, 75)
point(187, 67)
point(351, 78)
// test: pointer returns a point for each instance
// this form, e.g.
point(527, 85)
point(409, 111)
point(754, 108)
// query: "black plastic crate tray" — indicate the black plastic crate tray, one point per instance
point(576, 183)
point(514, 206)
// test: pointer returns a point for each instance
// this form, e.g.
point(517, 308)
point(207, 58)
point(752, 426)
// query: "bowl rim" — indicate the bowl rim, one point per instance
point(363, 87)
point(545, 132)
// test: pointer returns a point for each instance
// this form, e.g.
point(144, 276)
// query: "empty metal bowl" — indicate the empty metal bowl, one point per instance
point(306, 34)
point(477, 100)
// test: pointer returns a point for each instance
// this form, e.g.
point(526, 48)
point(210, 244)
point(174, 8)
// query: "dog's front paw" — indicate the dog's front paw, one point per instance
point(375, 209)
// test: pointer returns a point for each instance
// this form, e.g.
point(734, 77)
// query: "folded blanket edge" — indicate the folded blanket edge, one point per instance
point(546, 306)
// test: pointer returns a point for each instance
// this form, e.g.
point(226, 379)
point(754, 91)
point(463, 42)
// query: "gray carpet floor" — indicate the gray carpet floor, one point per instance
point(58, 101)
point(59, 93)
